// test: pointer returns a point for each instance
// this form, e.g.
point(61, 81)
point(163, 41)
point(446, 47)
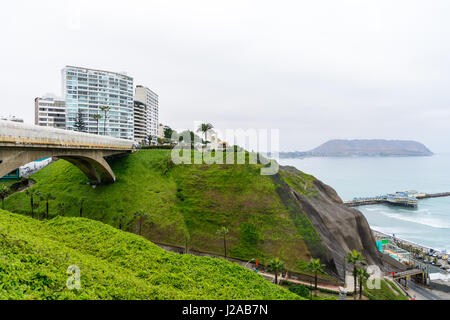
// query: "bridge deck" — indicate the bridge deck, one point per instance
point(13, 134)
point(23, 143)
point(408, 273)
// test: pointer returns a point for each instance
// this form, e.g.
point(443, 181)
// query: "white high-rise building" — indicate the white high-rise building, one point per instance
point(140, 122)
point(88, 90)
point(50, 111)
point(145, 96)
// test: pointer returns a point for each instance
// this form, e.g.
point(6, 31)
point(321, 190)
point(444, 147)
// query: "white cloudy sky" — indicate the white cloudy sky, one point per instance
point(314, 69)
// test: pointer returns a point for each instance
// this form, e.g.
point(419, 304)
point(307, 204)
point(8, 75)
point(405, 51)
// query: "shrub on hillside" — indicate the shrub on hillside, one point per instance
point(299, 289)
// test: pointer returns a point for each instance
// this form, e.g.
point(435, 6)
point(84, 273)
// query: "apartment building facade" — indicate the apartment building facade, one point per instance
point(145, 96)
point(50, 111)
point(87, 91)
point(140, 122)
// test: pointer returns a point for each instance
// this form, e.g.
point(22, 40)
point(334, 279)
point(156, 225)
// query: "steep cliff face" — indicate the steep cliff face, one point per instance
point(341, 229)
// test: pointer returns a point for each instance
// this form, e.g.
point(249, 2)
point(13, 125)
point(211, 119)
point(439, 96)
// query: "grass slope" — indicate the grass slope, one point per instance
point(35, 255)
point(386, 292)
point(186, 202)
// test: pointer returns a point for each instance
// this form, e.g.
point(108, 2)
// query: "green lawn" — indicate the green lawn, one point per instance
point(35, 255)
point(385, 292)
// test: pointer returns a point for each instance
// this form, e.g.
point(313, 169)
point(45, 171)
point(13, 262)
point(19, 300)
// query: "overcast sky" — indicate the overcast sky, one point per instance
point(316, 70)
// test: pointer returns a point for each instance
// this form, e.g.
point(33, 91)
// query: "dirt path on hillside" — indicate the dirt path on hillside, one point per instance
point(21, 186)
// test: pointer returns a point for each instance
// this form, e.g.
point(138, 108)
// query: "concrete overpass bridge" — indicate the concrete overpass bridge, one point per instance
point(23, 143)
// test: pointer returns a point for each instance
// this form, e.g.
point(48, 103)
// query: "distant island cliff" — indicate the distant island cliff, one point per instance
point(363, 147)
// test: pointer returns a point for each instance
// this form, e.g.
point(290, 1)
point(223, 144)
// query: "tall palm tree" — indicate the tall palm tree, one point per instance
point(40, 199)
point(205, 127)
point(355, 258)
point(48, 196)
point(121, 220)
point(186, 244)
point(363, 275)
point(80, 205)
point(97, 117)
point(4, 191)
point(105, 109)
point(32, 194)
point(276, 266)
point(60, 207)
point(141, 215)
point(150, 139)
point(315, 267)
point(224, 232)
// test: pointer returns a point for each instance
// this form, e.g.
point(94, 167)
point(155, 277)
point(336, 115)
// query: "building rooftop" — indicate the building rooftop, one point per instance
point(98, 70)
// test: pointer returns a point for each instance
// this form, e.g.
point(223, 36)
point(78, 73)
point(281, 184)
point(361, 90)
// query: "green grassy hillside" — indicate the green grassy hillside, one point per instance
point(186, 203)
point(35, 256)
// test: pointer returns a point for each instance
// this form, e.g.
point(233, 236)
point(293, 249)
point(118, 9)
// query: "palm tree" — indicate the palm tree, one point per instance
point(186, 245)
point(363, 275)
point(60, 207)
point(40, 198)
point(223, 232)
point(120, 220)
point(141, 216)
point(354, 258)
point(48, 196)
point(105, 109)
point(97, 117)
point(315, 267)
point(4, 191)
point(150, 139)
point(32, 193)
point(276, 266)
point(205, 127)
point(80, 204)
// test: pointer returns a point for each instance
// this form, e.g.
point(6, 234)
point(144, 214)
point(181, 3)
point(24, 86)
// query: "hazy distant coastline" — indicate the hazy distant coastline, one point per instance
point(364, 148)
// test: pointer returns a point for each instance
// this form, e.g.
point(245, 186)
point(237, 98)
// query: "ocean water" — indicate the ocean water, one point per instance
point(428, 225)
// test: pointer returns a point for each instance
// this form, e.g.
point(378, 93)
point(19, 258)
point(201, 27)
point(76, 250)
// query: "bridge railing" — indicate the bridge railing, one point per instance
point(13, 133)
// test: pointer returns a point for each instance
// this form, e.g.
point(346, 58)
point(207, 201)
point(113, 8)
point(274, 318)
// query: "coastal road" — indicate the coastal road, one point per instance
point(421, 293)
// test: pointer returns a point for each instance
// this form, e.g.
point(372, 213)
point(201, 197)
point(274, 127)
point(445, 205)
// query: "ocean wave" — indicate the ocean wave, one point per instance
point(430, 222)
point(370, 209)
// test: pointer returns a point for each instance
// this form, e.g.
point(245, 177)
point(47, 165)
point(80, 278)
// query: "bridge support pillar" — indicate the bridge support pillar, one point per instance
point(85, 166)
point(97, 170)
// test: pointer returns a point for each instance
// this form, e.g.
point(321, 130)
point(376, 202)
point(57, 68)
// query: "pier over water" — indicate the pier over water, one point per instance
point(401, 198)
